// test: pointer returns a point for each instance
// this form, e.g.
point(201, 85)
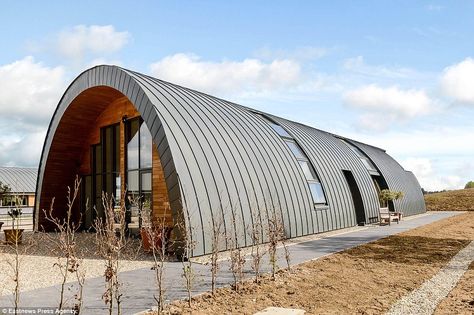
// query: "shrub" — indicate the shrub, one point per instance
point(469, 184)
point(389, 195)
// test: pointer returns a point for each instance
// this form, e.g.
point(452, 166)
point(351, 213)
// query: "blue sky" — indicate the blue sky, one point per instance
point(396, 74)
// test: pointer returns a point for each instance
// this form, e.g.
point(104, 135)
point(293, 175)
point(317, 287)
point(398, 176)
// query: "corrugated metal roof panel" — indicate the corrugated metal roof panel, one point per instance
point(20, 179)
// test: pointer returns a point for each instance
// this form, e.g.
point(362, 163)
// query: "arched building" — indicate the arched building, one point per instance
point(209, 159)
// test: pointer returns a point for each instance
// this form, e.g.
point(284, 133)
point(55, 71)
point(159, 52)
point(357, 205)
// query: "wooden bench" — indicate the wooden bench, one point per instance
point(387, 216)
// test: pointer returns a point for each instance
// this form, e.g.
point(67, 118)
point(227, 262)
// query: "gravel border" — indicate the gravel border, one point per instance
point(39, 271)
point(425, 299)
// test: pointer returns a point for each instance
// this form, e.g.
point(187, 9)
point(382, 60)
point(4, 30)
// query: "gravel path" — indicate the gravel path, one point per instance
point(425, 299)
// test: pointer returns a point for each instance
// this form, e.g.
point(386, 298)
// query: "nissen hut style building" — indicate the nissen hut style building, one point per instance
point(197, 158)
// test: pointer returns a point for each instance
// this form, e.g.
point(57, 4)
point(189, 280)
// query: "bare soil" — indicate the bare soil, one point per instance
point(363, 280)
point(454, 200)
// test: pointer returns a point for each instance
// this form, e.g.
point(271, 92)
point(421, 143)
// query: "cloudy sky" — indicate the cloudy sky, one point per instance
point(398, 74)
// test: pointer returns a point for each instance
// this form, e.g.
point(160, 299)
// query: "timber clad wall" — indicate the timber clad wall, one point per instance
point(223, 161)
point(112, 114)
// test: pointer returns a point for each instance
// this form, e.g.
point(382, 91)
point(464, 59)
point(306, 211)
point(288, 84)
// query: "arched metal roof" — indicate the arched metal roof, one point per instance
point(19, 179)
point(222, 161)
point(397, 179)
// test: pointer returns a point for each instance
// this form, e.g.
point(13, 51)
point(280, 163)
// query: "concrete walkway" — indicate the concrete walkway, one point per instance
point(139, 287)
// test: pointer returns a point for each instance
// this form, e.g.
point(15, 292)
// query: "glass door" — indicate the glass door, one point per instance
point(139, 172)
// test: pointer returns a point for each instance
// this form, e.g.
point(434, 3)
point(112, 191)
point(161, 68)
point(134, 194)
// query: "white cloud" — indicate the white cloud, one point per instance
point(228, 77)
point(387, 104)
point(429, 177)
point(457, 82)
point(23, 150)
point(77, 42)
point(30, 91)
point(402, 103)
point(81, 46)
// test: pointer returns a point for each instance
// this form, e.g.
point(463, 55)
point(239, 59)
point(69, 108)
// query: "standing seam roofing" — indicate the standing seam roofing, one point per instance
point(19, 179)
point(223, 162)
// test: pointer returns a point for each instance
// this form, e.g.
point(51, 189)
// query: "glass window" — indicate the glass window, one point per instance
point(87, 200)
point(356, 151)
point(146, 182)
point(317, 193)
point(368, 164)
point(279, 129)
point(308, 172)
point(118, 189)
point(295, 149)
point(109, 179)
point(132, 182)
point(98, 158)
point(108, 138)
point(117, 148)
point(132, 144)
point(145, 146)
point(98, 186)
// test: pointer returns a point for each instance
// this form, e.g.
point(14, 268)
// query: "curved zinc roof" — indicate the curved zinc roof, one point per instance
point(19, 179)
point(223, 161)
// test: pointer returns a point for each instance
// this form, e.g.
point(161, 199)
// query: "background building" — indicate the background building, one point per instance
point(22, 182)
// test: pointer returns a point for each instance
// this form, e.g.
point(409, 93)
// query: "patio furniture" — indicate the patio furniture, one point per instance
point(387, 216)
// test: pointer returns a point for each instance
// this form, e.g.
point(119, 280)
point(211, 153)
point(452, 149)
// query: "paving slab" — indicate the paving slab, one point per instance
point(139, 287)
point(280, 311)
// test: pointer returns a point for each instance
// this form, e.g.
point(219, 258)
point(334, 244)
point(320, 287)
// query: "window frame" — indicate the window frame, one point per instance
point(139, 170)
point(302, 157)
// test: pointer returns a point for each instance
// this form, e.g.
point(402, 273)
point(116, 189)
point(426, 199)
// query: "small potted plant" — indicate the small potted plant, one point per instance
point(4, 191)
point(146, 225)
point(387, 195)
point(151, 233)
point(14, 235)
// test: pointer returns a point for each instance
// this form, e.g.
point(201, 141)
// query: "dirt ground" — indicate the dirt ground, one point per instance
point(455, 200)
point(363, 280)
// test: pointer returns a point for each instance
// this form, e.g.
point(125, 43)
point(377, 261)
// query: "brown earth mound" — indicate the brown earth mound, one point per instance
point(454, 200)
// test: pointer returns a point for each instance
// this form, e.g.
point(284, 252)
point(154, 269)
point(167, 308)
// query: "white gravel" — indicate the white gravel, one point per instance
point(39, 271)
point(425, 299)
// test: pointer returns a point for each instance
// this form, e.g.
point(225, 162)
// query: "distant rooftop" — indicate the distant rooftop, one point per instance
point(20, 179)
